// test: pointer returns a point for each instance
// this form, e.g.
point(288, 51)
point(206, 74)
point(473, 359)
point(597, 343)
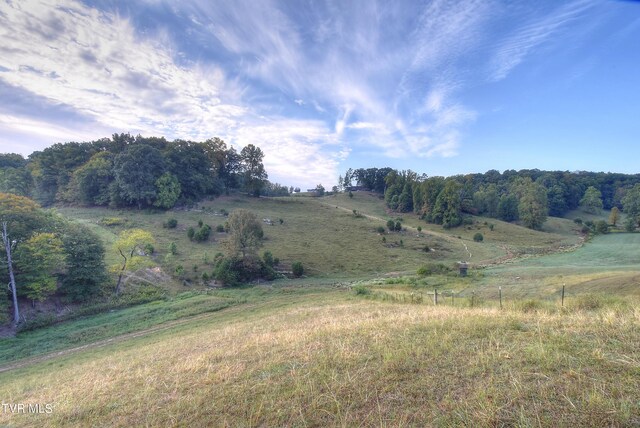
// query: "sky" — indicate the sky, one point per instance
point(436, 86)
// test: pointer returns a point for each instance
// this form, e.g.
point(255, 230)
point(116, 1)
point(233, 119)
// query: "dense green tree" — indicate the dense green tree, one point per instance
point(136, 171)
point(428, 194)
point(39, 259)
point(592, 200)
point(14, 175)
point(447, 210)
point(194, 165)
point(167, 191)
point(253, 172)
point(86, 272)
point(486, 200)
point(52, 169)
point(532, 202)
point(20, 217)
point(245, 234)
point(508, 208)
point(631, 204)
point(90, 182)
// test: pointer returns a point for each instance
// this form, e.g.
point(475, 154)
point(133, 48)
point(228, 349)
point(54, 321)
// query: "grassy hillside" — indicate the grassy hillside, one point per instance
point(358, 342)
point(328, 357)
point(608, 263)
point(326, 236)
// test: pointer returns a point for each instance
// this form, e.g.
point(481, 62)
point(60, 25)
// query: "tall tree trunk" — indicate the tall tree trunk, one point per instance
point(12, 279)
point(124, 266)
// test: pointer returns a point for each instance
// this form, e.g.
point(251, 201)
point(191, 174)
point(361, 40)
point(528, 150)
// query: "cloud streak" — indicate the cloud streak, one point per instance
point(313, 82)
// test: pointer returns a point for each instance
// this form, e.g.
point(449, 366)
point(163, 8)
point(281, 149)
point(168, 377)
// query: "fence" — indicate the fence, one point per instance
point(473, 299)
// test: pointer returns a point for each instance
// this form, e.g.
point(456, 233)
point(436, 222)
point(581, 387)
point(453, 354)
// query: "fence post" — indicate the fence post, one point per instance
point(435, 296)
point(500, 292)
point(452, 294)
point(562, 301)
point(473, 295)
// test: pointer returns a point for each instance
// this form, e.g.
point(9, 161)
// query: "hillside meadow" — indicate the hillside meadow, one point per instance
point(325, 235)
point(358, 340)
point(329, 357)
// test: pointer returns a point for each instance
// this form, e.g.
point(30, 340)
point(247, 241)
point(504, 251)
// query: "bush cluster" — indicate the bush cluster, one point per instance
point(433, 269)
point(172, 223)
point(200, 235)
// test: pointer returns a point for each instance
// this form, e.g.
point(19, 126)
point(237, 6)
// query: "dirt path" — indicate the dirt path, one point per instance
point(101, 343)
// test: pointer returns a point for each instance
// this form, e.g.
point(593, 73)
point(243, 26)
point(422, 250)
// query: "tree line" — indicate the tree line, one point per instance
point(528, 196)
point(127, 171)
point(43, 253)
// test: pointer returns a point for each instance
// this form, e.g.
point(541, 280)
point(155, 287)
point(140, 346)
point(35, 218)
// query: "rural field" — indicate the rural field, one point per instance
point(357, 341)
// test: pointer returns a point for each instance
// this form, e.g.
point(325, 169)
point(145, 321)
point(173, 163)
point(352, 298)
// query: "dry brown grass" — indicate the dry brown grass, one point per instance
point(334, 359)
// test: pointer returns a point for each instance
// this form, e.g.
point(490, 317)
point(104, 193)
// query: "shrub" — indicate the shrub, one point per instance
point(398, 226)
point(380, 229)
point(361, 290)
point(180, 270)
point(419, 229)
point(112, 221)
point(276, 261)
point(268, 258)
point(191, 233)
point(391, 225)
point(350, 194)
point(205, 276)
point(433, 269)
point(38, 321)
point(426, 249)
point(630, 224)
point(202, 234)
point(297, 269)
point(467, 221)
point(148, 249)
point(602, 227)
point(478, 237)
point(577, 221)
point(173, 248)
point(172, 223)
point(219, 228)
point(200, 223)
point(491, 226)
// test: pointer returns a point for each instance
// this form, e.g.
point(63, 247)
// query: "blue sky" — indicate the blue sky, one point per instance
point(439, 87)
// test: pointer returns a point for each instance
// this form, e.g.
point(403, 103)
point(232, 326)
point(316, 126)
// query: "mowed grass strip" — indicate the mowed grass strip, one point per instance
point(331, 358)
point(90, 329)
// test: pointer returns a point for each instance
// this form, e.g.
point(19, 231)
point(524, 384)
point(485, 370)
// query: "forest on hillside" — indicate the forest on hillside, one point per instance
point(526, 195)
point(127, 171)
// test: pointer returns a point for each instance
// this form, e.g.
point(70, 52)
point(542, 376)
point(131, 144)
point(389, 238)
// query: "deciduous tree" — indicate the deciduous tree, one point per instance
point(136, 171)
point(592, 200)
point(39, 259)
point(245, 233)
point(168, 191)
point(129, 243)
point(255, 176)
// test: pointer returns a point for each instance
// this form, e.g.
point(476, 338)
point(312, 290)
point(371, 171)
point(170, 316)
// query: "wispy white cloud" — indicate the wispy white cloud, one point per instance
point(513, 50)
point(95, 63)
point(381, 77)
